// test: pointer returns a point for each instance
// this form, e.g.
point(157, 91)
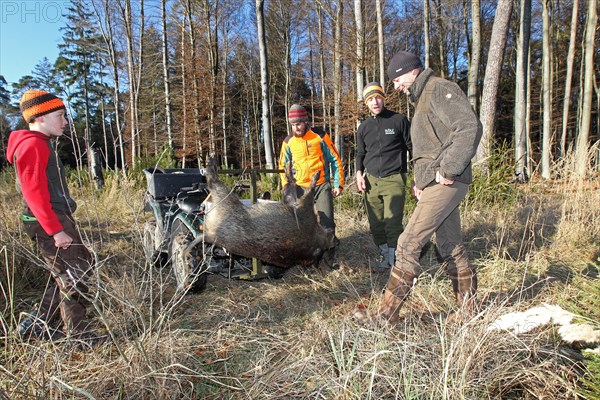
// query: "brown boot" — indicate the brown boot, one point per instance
point(397, 290)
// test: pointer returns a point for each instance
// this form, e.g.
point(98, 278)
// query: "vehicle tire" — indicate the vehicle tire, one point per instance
point(188, 270)
point(151, 245)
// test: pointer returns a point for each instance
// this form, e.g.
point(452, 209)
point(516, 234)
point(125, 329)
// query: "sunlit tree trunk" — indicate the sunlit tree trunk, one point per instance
point(264, 80)
point(426, 39)
point(184, 96)
point(213, 52)
point(108, 36)
point(194, 78)
point(442, 33)
point(126, 13)
point(224, 93)
point(140, 68)
point(475, 57)
point(166, 78)
point(360, 48)
point(546, 89)
point(521, 89)
point(322, 64)
point(569, 80)
point(380, 44)
point(491, 81)
point(337, 70)
point(582, 147)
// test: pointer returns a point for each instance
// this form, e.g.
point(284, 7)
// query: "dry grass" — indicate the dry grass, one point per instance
point(294, 338)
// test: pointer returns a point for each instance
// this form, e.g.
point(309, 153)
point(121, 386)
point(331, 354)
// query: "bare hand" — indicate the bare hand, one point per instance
point(361, 183)
point(337, 191)
point(62, 240)
point(441, 180)
point(416, 191)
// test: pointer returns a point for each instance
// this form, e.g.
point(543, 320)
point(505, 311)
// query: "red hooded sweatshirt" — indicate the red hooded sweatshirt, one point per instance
point(41, 178)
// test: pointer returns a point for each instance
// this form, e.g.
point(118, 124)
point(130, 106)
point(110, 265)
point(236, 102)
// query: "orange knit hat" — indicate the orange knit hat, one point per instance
point(35, 103)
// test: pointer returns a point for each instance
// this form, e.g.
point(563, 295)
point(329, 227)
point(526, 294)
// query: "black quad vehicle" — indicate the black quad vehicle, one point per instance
point(174, 234)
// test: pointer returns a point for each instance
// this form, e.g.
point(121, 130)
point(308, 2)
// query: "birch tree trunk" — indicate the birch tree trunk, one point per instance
point(380, 44)
point(108, 37)
point(337, 69)
point(569, 80)
point(442, 33)
point(546, 89)
point(194, 77)
point(522, 172)
point(224, 92)
point(475, 58)
point(322, 64)
point(166, 78)
point(184, 96)
point(126, 13)
point(426, 32)
point(213, 52)
point(492, 80)
point(360, 57)
point(582, 148)
point(264, 81)
point(138, 86)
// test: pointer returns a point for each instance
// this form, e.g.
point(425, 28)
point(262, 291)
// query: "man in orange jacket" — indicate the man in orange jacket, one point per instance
point(311, 150)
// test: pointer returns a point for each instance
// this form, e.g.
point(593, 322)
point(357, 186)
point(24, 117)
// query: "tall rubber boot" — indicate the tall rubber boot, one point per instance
point(464, 280)
point(396, 292)
point(392, 255)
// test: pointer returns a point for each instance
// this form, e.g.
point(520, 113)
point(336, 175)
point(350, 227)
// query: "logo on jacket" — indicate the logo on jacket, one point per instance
point(390, 132)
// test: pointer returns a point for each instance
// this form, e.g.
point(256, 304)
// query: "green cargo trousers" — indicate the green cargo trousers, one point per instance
point(437, 212)
point(324, 205)
point(69, 269)
point(384, 200)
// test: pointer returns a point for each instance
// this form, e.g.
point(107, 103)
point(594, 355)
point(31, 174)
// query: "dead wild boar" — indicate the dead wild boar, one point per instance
point(277, 233)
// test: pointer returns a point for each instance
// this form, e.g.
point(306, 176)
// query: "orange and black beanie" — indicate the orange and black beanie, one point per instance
point(35, 103)
point(372, 89)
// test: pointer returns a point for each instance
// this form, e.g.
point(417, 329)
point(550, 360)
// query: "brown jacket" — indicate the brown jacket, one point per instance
point(445, 132)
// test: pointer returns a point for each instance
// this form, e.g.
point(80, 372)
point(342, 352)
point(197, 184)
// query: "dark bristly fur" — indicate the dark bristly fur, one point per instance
point(274, 232)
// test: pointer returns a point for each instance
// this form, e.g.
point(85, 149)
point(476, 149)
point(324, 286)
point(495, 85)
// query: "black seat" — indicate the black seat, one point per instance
point(191, 201)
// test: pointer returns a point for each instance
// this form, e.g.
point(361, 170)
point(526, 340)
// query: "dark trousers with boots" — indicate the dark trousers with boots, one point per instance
point(69, 269)
point(437, 212)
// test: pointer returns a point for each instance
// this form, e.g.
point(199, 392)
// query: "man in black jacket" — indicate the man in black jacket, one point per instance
point(445, 133)
point(383, 142)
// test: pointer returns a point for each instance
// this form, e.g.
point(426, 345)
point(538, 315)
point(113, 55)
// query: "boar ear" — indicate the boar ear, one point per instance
point(211, 170)
point(289, 175)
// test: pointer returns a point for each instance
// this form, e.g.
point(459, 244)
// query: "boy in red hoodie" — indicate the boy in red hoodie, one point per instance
point(47, 216)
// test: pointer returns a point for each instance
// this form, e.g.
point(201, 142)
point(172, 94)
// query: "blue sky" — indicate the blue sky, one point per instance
point(29, 31)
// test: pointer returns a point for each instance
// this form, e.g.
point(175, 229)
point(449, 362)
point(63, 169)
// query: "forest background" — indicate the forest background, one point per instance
point(169, 82)
point(180, 79)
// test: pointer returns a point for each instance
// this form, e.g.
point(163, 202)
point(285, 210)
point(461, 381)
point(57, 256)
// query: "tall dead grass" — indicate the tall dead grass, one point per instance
point(294, 338)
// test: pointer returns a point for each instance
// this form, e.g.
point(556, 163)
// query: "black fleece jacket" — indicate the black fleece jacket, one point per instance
point(382, 144)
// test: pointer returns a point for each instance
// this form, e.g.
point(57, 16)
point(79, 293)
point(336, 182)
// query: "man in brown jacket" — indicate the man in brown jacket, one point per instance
point(445, 133)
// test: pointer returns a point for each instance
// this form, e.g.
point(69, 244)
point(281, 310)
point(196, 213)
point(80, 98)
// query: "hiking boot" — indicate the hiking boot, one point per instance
point(384, 265)
point(34, 327)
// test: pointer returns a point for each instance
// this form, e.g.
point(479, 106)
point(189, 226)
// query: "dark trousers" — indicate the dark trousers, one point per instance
point(324, 205)
point(384, 200)
point(69, 269)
